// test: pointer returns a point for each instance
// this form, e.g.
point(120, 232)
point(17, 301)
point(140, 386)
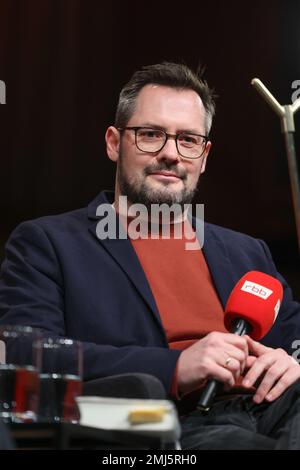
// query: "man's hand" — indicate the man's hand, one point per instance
point(274, 367)
point(220, 356)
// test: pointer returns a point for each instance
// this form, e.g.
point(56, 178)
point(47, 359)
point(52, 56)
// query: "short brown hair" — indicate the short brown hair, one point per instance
point(168, 74)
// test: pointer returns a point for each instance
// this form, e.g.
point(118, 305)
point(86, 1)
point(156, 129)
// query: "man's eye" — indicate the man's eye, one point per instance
point(187, 139)
point(148, 134)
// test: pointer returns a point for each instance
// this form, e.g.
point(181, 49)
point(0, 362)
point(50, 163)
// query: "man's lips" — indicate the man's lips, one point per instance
point(165, 175)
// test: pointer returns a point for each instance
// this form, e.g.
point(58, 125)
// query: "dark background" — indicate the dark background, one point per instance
point(64, 62)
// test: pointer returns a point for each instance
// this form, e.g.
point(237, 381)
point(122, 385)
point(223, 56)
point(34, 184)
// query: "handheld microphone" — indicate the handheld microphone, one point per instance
point(251, 309)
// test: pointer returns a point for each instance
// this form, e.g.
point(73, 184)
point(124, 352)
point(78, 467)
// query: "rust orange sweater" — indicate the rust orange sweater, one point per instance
point(183, 290)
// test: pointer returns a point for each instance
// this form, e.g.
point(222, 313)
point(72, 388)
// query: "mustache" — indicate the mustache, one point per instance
point(165, 167)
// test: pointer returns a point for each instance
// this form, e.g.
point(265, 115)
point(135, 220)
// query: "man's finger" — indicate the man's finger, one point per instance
point(256, 348)
point(274, 375)
point(250, 361)
point(288, 379)
point(257, 369)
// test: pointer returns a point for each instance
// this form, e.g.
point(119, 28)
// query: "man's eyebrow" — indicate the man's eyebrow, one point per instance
point(190, 131)
point(153, 126)
point(179, 131)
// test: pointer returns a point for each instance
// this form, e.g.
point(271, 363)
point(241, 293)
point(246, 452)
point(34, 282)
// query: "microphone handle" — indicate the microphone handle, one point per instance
point(241, 328)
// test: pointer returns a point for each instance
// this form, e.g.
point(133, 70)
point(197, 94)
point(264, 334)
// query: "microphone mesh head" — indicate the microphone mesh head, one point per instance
point(256, 298)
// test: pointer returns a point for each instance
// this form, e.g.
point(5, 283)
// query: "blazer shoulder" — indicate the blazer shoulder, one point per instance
point(71, 221)
point(229, 234)
point(68, 222)
point(237, 241)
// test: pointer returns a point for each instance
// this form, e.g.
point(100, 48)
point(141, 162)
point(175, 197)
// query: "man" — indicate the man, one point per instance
point(149, 304)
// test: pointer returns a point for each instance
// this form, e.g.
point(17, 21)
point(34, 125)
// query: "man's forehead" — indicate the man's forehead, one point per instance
point(163, 102)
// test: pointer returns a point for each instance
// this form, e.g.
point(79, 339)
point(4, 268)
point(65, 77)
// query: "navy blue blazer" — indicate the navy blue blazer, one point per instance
point(58, 276)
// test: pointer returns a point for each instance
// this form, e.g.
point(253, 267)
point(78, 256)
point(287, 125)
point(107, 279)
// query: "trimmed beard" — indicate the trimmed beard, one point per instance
point(138, 192)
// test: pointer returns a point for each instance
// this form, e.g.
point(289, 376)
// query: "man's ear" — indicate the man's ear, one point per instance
point(112, 138)
point(204, 158)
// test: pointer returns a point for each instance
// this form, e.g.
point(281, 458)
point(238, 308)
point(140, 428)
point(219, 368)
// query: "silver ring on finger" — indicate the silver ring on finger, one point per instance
point(228, 360)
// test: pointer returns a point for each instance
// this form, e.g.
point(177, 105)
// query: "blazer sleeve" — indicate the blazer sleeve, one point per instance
point(285, 332)
point(32, 293)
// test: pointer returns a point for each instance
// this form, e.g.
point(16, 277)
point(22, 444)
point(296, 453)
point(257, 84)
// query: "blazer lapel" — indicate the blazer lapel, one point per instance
point(122, 251)
point(217, 259)
point(219, 264)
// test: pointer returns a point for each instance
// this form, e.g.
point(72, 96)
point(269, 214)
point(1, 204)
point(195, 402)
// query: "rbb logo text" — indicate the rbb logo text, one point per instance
point(256, 289)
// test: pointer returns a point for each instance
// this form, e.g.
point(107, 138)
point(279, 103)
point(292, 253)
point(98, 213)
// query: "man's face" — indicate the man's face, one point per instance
point(163, 177)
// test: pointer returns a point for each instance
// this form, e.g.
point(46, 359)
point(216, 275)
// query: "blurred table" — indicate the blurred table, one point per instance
point(74, 436)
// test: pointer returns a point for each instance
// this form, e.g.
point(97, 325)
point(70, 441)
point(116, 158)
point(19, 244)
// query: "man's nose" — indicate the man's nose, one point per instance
point(169, 151)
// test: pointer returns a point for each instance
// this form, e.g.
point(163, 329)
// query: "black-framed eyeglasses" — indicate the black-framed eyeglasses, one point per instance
point(150, 140)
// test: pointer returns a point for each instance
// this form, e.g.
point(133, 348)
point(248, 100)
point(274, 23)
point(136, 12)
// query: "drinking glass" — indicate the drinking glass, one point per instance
point(20, 360)
point(60, 380)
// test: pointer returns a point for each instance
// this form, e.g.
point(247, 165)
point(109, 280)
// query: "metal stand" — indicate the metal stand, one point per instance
point(286, 114)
